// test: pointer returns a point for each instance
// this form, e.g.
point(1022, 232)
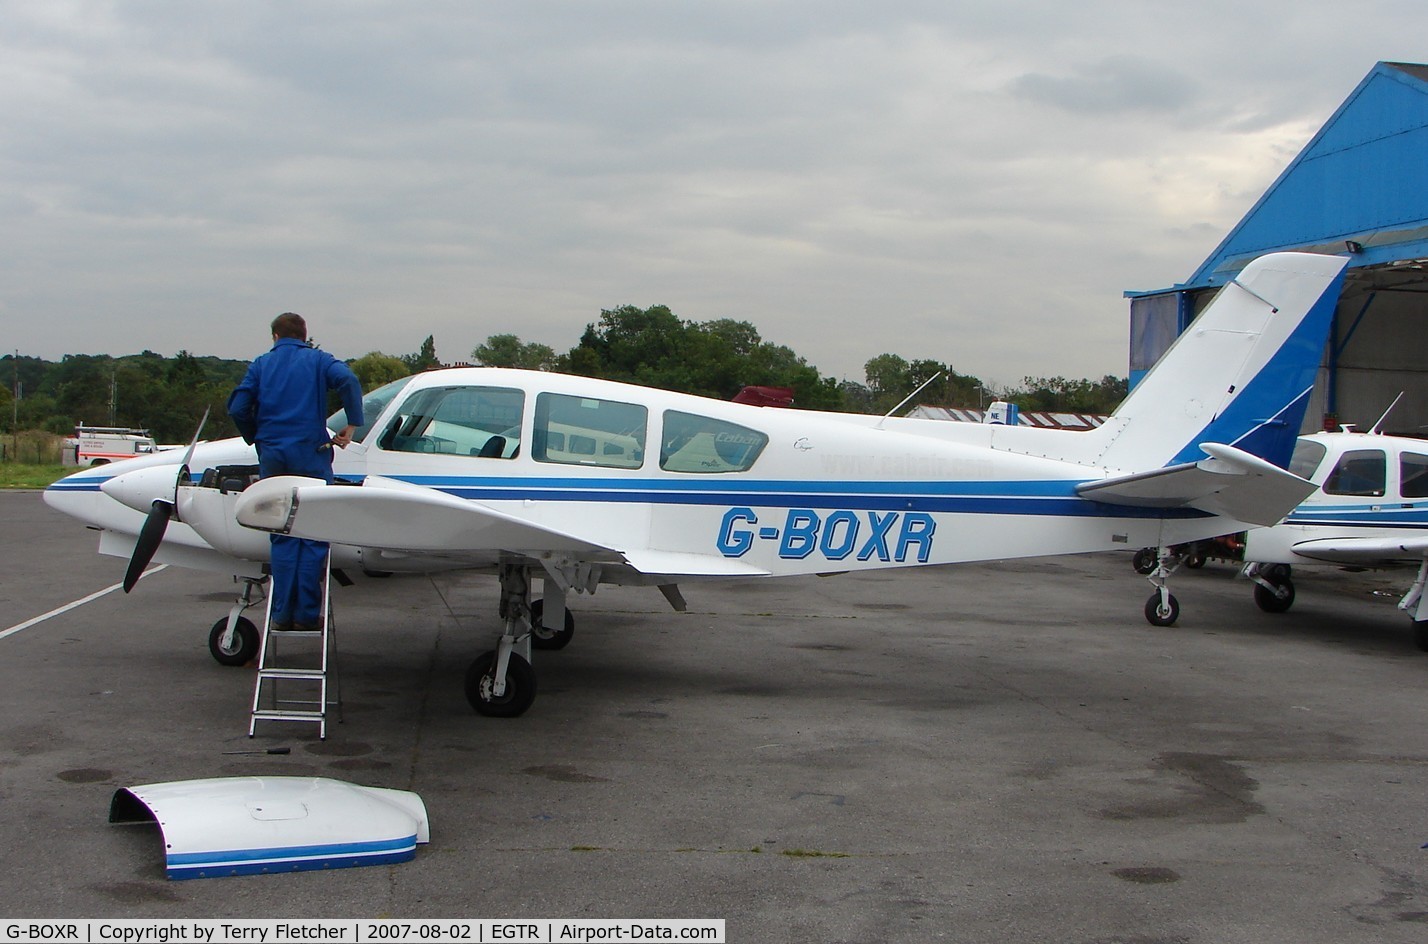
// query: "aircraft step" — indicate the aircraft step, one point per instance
point(296, 646)
point(278, 714)
point(315, 674)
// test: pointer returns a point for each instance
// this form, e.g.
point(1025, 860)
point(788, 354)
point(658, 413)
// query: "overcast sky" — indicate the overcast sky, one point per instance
point(974, 183)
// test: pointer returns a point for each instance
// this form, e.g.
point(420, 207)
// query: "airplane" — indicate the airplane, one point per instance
point(579, 482)
point(1369, 510)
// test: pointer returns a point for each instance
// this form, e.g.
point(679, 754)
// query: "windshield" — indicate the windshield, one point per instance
point(372, 406)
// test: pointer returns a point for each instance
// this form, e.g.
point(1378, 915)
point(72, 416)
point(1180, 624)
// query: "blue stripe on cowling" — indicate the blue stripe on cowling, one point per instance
point(87, 484)
point(223, 870)
point(279, 852)
point(290, 858)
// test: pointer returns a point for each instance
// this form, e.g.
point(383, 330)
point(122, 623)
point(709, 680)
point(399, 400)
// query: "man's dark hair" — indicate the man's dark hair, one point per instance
point(290, 325)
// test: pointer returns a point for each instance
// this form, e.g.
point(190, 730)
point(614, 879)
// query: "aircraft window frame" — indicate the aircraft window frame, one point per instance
point(589, 431)
point(690, 445)
point(374, 402)
point(488, 426)
point(1361, 473)
point(1412, 471)
point(1308, 456)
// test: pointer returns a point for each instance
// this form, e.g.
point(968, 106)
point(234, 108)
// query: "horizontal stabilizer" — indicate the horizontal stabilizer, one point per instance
point(1340, 550)
point(1231, 482)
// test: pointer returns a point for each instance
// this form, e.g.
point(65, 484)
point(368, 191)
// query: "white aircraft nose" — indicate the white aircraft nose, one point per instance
point(139, 488)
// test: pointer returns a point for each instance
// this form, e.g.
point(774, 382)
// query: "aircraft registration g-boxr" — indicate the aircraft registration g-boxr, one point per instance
point(580, 482)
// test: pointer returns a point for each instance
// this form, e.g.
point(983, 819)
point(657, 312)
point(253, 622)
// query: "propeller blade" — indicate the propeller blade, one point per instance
point(183, 473)
point(151, 535)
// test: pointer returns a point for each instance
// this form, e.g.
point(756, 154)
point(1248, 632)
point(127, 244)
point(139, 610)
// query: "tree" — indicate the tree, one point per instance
point(507, 350)
point(375, 369)
point(424, 359)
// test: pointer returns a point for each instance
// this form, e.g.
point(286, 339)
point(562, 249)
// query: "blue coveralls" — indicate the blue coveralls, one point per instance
point(281, 407)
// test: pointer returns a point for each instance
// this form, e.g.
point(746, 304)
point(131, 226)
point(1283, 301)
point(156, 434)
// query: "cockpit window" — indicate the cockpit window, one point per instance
point(1413, 475)
point(1359, 472)
point(1307, 456)
point(373, 404)
point(694, 443)
point(458, 421)
point(588, 431)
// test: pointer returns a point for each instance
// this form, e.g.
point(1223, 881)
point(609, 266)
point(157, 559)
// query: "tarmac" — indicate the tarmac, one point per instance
point(996, 752)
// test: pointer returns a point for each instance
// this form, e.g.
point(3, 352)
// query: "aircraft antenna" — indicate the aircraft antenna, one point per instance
point(908, 398)
point(1378, 427)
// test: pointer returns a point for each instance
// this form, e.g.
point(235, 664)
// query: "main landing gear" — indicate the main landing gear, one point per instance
point(501, 683)
point(1273, 588)
point(1162, 609)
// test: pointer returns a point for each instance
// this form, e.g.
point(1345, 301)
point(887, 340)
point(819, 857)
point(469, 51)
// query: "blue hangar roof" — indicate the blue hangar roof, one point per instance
point(1361, 184)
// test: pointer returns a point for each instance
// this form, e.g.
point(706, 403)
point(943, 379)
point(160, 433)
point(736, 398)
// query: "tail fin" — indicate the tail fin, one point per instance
point(1241, 374)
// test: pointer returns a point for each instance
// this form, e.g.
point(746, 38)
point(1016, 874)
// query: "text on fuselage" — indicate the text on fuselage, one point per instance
point(885, 536)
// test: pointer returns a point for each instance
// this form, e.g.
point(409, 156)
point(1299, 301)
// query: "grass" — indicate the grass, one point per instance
point(23, 475)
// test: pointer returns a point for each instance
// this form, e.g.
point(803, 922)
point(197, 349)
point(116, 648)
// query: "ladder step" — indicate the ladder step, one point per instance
point(275, 714)
point(299, 709)
point(314, 674)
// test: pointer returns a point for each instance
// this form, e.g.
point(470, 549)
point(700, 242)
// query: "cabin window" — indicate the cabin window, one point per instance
point(589, 431)
point(458, 421)
point(1359, 472)
point(373, 404)
point(1307, 456)
point(694, 443)
point(1413, 475)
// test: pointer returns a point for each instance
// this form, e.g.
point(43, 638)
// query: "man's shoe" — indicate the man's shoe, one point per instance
point(282, 626)
point(304, 627)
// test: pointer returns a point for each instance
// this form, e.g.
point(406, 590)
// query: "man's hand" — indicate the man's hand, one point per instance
point(343, 438)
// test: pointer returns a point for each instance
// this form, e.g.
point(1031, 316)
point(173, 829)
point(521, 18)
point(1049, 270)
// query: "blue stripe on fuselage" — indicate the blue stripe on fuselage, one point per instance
point(1047, 498)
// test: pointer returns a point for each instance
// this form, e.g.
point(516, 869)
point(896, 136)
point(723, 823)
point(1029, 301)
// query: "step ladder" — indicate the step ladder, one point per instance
point(304, 685)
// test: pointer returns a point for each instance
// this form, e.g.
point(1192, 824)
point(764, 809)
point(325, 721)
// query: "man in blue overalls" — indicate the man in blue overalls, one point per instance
point(281, 407)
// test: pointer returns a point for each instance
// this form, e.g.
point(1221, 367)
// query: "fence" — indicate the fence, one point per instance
point(32, 447)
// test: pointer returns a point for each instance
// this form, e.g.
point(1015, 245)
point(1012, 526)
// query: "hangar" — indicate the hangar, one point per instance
point(1359, 187)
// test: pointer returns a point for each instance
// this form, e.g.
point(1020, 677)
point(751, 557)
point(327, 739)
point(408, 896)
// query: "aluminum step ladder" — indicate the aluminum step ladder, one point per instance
point(307, 675)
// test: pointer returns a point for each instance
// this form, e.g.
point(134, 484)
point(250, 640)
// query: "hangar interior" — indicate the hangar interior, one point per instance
point(1359, 188)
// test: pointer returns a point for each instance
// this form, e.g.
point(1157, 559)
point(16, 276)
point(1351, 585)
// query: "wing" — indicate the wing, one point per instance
point(1232, 483)
point(1411, 546)
point(392, 515)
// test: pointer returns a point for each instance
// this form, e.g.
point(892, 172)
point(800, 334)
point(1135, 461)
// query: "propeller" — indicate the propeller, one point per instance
point(151, 535)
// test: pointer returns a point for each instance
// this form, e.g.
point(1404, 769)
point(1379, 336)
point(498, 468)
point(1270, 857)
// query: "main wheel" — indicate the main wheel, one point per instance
point(520, 686)
point(243, 647)
point(1145, 560)
point(1420, 634)
point(542, 636)
point(1159, 615)
point(1278, 600)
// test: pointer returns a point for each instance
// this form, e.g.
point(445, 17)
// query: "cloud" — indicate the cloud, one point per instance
point(983, 183)
point(1115, 84)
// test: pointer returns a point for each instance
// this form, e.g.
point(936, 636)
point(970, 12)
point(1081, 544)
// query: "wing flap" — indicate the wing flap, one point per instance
point(1232, 483)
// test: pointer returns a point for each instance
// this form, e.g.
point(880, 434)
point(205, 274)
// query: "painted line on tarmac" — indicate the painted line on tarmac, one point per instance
point(70, 606)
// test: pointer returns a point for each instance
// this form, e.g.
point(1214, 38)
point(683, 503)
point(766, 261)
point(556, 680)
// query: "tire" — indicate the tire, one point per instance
point(542, 636)
point(520, 686)
point(1162, 617)
point(1271, 602)
point(246, 640)
point(1420, 634)
point(1144, 560)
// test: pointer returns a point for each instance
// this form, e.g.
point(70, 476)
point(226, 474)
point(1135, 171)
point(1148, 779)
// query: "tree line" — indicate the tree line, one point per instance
point(649, 346)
